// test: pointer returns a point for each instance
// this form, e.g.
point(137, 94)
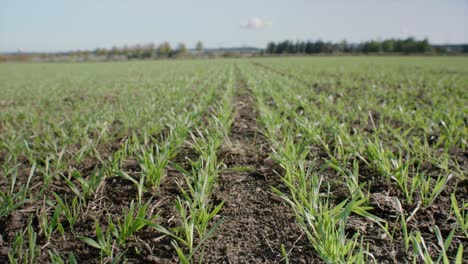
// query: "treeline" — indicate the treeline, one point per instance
point(129, 52)
point(404, 46)
point(126, 52)
point(165, 50)
point(138, 51)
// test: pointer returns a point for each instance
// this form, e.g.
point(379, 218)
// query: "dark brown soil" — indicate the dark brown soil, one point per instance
point(256, 223)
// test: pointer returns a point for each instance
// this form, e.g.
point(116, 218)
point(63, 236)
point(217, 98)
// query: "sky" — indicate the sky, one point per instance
point(62, 25)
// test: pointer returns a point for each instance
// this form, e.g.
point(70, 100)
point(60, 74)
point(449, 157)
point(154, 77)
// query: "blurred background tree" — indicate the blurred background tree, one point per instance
point(181, 49)
point(199, 47)
point(164, 49)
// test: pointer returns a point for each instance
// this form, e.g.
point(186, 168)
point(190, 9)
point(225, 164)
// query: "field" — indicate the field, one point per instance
point(261, 160)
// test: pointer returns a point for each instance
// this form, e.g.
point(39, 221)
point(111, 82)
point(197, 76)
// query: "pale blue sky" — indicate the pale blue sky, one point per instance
point(53, 25)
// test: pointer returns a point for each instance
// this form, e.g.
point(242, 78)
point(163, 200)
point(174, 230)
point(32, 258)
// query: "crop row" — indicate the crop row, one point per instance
point(342, 144)
point(63, 172)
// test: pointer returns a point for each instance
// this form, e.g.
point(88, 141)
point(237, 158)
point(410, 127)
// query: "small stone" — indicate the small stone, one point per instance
point(4, 251)
point(154, 259)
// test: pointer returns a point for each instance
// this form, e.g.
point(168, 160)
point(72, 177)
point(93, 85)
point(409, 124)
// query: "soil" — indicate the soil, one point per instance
point(255, 222)
point(383, 199)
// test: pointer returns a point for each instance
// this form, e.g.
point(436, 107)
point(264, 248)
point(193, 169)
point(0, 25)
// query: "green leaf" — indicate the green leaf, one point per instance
point(72, 259)
point(459, 258)
point(216, 210)
point(163, 230)
point(285, 254)
point(90, 242)
point(128, 177)
point(182, 258)
point(179, 168)
point(207, 235)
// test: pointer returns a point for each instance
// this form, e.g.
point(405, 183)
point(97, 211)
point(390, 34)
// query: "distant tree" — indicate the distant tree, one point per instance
point(148, 50)
point(300, 47)
point(291, 47)
point(181, 49)
point(343, 46)
point(115, 51)
point(164, 49)
point(371, 47)
point(125, 50)
point(465, 48)
point(137, 51)
point(86, 54)
point(75, 53)
point(284, 47)
point(388, 45)
point(199, 47)
point(271, 48)
point(320, 47)
point(424, 46)
point(409, 45)
point(309, 48)
point(100, 52)
point(281, 47)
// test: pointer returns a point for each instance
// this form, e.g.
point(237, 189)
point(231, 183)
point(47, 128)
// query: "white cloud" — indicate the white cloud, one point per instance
point(255, 23)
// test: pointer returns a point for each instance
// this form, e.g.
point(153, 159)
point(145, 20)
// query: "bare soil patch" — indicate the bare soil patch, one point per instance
point(256, 222)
